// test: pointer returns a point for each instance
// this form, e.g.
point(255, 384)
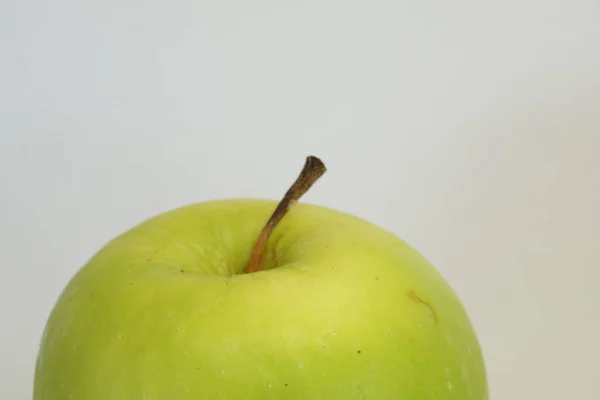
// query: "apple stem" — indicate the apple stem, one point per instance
point(312, 171)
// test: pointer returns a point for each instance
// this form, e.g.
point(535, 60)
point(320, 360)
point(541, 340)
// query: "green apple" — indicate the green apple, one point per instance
point(334, 308)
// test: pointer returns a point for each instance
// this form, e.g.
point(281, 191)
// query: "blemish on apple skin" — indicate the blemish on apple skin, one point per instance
point(414, 296)
point(275, 256)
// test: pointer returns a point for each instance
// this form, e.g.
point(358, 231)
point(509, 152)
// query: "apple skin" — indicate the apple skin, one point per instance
point(342, 310)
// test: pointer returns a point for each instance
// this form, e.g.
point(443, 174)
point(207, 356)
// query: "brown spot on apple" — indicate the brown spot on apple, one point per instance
point(275, 256)
point(424, 304)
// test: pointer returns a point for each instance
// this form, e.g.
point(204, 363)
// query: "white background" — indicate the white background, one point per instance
point(471, 129)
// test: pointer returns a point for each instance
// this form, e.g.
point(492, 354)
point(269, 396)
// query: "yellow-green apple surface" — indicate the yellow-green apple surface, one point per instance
point(197, 303)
